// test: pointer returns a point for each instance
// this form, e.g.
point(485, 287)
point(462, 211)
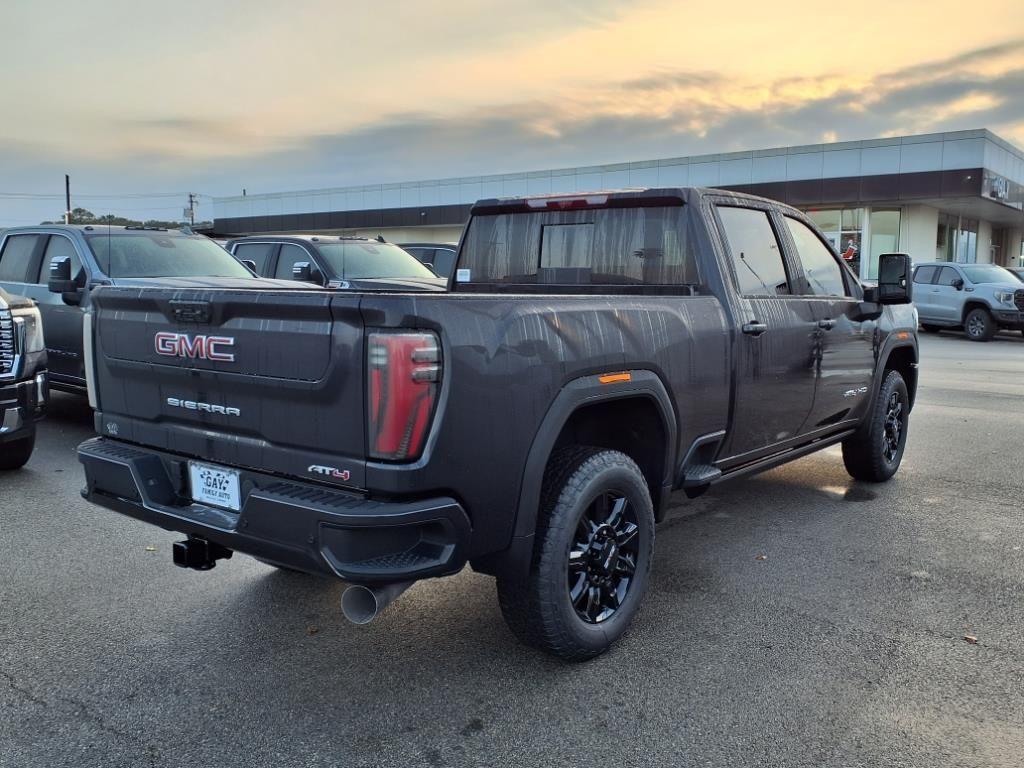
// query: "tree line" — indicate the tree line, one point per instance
point(84, 216)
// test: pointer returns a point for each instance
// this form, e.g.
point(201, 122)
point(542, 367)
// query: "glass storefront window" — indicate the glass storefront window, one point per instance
point(885, 236)
point(842, 227)
point(967, 247)
point(957, 239)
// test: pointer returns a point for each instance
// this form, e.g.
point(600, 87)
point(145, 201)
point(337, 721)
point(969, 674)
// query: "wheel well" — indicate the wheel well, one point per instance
point(904, 360)
point(973, 305)
point(632, 425)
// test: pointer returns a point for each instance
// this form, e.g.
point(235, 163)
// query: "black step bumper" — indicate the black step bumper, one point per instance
point(296, 525)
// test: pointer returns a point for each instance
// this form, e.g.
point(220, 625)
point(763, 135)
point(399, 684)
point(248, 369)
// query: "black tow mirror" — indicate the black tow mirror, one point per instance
point(302, 271)
point(894, 284)
point(61, 280)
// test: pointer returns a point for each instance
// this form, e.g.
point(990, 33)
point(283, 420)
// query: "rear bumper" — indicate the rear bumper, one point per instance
point(297, 525)
point(21, 405)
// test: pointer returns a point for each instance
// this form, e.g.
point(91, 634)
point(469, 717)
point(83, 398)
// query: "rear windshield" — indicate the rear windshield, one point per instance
point(988, 273)
point(162, 254)
point(366, 261)
point(604, 246)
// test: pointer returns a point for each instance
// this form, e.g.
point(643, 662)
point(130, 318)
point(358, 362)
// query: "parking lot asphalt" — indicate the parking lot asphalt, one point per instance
point(795, 618)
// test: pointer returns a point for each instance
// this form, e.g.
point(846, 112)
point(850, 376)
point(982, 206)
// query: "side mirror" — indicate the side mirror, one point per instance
point(249, 264)
point(958, 283)
point(61, 280)
point(302, 271)
point(894, 284)
point(430, 266)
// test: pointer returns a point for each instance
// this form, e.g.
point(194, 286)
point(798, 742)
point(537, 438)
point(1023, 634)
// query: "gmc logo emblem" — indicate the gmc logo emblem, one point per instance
point(198, 347)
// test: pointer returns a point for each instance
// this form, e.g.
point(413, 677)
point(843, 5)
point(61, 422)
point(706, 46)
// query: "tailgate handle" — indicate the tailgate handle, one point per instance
point(191, 311)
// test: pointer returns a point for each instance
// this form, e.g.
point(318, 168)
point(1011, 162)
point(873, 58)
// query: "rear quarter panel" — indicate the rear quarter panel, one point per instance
point(505, 362)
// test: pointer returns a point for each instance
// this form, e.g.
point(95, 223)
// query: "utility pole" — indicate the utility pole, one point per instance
point(67, 199)
point(192, 208)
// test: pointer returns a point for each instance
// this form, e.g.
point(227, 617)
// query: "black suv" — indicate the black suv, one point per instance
point(331, 261)
point(58, 265)
point(23, 384)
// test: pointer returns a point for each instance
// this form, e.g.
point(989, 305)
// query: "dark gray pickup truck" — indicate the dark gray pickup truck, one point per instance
point(594, 354)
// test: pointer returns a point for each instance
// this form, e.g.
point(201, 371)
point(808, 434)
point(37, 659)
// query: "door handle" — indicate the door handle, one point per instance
point(827, 324)
point(754, 328)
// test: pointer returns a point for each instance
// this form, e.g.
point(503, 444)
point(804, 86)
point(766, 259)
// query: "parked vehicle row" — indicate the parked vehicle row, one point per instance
point(592, 355)
point(335, 262)
point(58, 267)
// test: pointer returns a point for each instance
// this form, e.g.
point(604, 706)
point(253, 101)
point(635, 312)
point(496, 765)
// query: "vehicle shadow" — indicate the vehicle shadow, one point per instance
point(69, 409)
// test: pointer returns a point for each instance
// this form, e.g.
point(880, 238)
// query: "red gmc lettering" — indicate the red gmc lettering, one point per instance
point(197, 347)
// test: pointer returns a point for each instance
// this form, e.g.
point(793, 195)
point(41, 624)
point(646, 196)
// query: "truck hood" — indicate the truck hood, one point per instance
point(12, 301)
point(399, 284)
point(189, 283)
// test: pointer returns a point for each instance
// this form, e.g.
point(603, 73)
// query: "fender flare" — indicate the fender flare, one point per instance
point(578, 393)
point(890, 344)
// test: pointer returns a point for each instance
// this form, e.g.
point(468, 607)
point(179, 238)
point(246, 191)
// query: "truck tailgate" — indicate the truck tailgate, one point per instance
point(259, 378)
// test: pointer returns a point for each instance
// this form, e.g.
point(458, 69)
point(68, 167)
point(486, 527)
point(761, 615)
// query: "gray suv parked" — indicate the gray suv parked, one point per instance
point(980, 298)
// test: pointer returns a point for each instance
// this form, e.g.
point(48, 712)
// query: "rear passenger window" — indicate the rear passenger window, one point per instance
point(822, 272)
point(600, 246)
point(290, 255)
point(16, 259)
point(444, 262)
point(948, 275)
point(925, 275)
point(423, 254)
point(755, 253)
point(58, 247)
point(257, 253)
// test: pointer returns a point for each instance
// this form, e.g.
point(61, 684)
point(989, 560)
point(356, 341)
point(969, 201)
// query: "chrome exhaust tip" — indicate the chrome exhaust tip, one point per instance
point(362, 604)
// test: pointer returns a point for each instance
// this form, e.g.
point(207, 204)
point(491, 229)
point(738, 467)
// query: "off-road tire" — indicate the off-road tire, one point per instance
point(864, 452)
point(979, 325)
point(15, 454)
point(539, 610)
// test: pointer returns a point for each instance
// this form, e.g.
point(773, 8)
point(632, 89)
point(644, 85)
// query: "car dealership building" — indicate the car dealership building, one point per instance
point(948, 196)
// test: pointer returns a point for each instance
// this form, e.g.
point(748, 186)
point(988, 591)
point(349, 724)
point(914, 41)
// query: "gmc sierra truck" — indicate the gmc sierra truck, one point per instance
point(593, 355)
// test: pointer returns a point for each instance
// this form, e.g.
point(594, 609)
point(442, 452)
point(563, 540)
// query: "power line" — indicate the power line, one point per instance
point(125, 196)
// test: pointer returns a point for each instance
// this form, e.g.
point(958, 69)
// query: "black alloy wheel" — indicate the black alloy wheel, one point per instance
point(893, 427)
point(603, 557)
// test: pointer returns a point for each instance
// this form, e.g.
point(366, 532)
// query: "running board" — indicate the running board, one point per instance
point(770, 462)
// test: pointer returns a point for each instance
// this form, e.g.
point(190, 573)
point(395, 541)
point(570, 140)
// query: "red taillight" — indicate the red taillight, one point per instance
point(404, 374)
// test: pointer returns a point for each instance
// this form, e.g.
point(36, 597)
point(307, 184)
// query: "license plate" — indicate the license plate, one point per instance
point(216, 486)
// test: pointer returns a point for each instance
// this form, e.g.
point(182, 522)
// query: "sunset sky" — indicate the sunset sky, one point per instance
point(135, 98)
